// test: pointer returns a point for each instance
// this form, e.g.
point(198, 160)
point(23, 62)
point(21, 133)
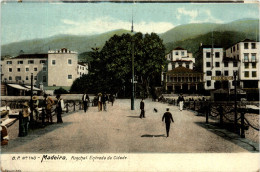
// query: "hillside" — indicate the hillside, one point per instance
point(188, 31)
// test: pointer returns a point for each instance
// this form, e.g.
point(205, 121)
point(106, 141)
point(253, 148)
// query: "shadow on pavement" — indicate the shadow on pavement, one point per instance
point(149, 135)
point(133, 116)
point(229, 136)
point(32, 134)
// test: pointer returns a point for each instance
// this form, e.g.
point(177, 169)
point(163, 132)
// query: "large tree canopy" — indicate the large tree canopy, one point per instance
point(111, 69)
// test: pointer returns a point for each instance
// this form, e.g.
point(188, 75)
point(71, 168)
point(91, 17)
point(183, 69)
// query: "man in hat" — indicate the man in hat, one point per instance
point(35, 106)
point(24, 119)
point(181, 101)
point(85, 99)
point(167, 116)
point(48, 106)
point(59, 107)
point(142, 109)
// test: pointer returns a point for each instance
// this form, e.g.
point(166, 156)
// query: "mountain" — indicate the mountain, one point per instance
point(192, 30)
point(73, 42)
point(82, 44)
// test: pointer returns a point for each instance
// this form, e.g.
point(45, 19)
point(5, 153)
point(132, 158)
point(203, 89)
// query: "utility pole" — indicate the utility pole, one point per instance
point(31, 102)
point(133, 72)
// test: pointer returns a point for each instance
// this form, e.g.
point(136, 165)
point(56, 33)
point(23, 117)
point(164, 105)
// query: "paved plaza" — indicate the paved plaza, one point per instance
point(120, 130)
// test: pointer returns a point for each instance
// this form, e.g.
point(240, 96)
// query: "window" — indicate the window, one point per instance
point(42, 61)
point(35, 78)
point(35, 69)
point(234, 48)
point(69, 76)
point(8, 62)
point(217, 54)
point(10, 69)
point(253, 65)
point(208, 54)
point(187, 66)
point(20, 62)
point(182, 53)
point(245, 57)
point(254, 74)
point(253, 45)
point(10, 78)
point(53, 62)
point(245, 45)
point(27, 69)
point(246, 65)
point(237, 46)
point(44, 69)
point(237, 57)
point(208, 83)
point(30, 61)
point(234, 64)
point(18, 78)
point(18, 69)
point(180, 65)
point(225, 64)
point(217, 64)
point(209, 73)
point(27, 78)
point(253, 57)
point(44, 79)
point(218, 73)
point(246, 74)
point(69, 61)
point(177, 53)
point(226, 72)
point(208, 64)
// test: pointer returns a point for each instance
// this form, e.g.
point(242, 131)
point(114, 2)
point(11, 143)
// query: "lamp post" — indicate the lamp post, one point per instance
point(31, 102)
point(133, 73)
point(235, 82)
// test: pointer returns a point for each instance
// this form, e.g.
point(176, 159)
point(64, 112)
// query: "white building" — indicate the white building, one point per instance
point(82, 69)
point(247, 52)
point(57, 68)
point(180, 57)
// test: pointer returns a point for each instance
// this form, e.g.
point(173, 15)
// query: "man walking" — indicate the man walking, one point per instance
point(142, 109)
point(104, 101)
point(168, 118)
point(181, 101)
point(85, 99)
point(99, 101)
point(59, 107)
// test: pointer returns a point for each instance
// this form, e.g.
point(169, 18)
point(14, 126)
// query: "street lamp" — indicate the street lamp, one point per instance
point(133, 73)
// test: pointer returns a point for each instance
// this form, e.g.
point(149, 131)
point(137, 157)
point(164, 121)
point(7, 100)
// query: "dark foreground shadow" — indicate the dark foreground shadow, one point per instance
point(230, 136)
point(149, 135)
point(133, 116)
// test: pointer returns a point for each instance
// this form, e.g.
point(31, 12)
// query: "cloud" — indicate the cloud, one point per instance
point(196, 16)
point(105, 24)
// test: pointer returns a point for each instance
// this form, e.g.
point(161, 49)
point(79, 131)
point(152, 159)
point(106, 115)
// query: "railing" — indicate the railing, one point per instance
point(222, 112)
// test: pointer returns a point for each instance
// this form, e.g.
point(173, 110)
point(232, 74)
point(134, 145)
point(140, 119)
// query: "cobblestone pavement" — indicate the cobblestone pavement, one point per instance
point(120, 130)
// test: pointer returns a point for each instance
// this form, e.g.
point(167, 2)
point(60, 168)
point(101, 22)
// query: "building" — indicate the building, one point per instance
point(247, 53)
point(56, 68)
point(82, 69)
point(219, 65)
point(180, 57)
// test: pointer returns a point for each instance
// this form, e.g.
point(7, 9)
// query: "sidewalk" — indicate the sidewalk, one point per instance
point(120, 130)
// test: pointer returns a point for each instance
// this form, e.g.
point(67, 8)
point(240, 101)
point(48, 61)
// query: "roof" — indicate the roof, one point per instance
point(178, 48)
point(210, 46)
point(182, 70)
point(26, 56)
point(34, 88)
point(82, 63)
point(248, 40)
point(18, 87)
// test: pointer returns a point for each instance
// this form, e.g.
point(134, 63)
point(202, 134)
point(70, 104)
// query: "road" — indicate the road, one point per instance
point(120, 130)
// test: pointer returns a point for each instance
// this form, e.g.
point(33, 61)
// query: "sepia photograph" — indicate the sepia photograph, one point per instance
point(129, 85)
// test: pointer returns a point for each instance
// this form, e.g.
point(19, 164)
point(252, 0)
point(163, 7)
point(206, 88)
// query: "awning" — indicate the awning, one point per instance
point(34, 88)
point(18, 87)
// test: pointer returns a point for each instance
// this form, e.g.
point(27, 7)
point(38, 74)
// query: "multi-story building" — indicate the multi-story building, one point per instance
point(180, 57)
point(56, 68)
point(82, 69)
point(247, 53)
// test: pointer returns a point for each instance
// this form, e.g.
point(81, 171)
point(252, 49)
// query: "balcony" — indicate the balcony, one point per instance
point(249, 61)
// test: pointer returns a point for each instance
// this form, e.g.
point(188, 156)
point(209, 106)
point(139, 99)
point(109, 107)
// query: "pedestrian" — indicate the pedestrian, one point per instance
point(85, 99)
point(99, 102)
point(24, 117)
point(142, 115)
point(181, 101)
point(59, 107)
point(35, 107)
point(104, 100)
point(112, 98)
point(48, 106)
point(167, 116)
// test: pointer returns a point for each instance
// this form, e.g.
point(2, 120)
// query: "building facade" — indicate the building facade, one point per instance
point(180, 57)
point(82, 69)
point(56, 68)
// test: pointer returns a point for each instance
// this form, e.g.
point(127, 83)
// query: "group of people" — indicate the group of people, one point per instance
point(48, 102)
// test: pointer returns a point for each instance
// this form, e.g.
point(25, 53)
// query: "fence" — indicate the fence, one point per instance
point(222, 112)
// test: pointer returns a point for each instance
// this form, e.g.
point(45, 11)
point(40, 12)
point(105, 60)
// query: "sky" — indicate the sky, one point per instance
point(30, 20)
